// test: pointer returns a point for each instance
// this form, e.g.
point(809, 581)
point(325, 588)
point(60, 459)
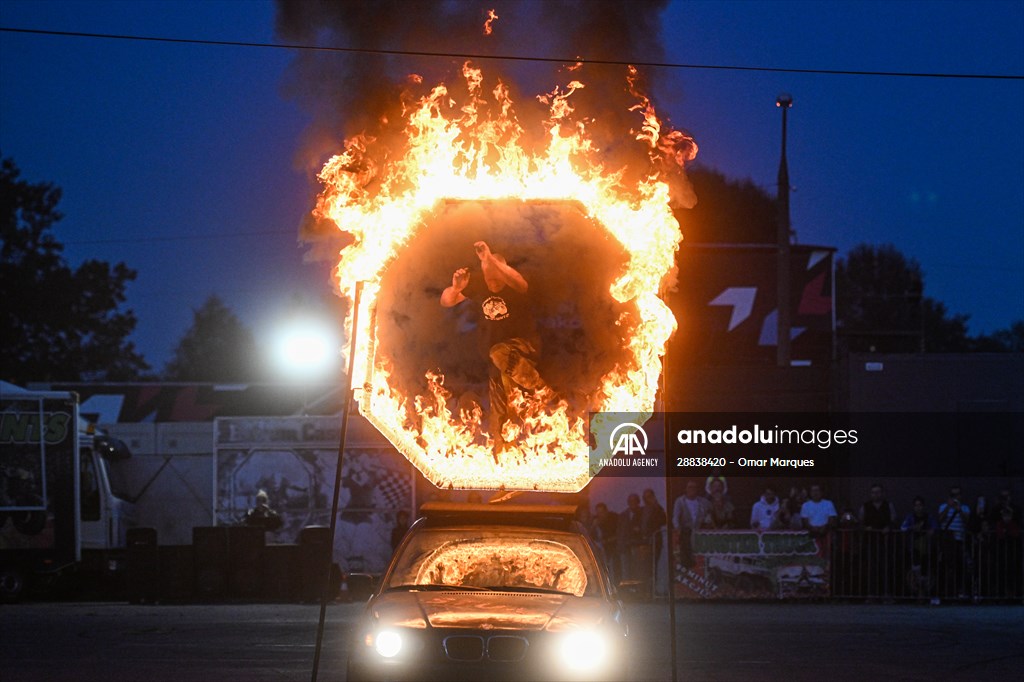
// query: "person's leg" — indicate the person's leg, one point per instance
point(516, 358)
point(499, 405)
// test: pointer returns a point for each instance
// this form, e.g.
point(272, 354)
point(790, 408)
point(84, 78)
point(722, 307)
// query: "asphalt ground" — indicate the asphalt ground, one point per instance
point(725, 641)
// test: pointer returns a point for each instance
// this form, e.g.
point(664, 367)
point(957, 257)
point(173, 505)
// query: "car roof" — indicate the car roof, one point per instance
point(548, 516)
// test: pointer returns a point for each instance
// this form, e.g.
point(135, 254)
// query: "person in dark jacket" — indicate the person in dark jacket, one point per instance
point(877, 518)
point(401, 526)
point(262, 515)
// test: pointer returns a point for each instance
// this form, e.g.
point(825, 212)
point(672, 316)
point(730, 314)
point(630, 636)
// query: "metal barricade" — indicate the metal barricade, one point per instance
point(930, 565)
point(638, 565)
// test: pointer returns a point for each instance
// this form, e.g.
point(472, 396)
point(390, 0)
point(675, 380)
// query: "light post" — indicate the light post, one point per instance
point(782, 349)
point(345, 410)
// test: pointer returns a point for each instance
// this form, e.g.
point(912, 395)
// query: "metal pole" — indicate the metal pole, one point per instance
point(668, 521)
point(782, 355)
point(835, 301)
point(337, 476)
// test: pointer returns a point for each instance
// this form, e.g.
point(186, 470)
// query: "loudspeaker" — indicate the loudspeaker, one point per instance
point(246, 546)
point(315, 560)
point(211, 561)
point(176, 574)
point(281, 577)
point(143, 565)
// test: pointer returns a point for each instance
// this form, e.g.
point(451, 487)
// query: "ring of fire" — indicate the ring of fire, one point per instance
point(456, 152)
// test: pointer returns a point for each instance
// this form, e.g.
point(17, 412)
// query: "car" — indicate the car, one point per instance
point(492, 592)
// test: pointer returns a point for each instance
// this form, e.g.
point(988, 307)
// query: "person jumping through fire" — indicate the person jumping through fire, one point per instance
point(506, 327)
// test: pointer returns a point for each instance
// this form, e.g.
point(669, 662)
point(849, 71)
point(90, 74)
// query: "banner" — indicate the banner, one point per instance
point(743, 564)
point(294, 459)
point(38, 461)
point(727, 303)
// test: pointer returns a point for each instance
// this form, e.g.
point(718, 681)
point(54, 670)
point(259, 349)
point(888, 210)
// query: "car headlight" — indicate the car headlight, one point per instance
point(388, 643)
point(583, 650)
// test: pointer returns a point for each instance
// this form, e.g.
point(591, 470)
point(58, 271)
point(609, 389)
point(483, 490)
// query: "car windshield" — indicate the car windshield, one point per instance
point(496, 558)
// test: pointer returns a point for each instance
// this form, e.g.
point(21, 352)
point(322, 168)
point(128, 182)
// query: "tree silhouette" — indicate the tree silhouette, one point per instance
point(881, 306)
point(1009, 340)
point(728, 211)
point(217, 347)
point(59, 323)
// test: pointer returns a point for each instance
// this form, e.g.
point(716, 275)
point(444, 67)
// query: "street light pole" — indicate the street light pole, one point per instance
point(784, 323)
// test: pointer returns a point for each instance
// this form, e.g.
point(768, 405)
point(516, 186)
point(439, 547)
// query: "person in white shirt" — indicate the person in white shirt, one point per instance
point(765, 513)
point(954, 518)
point(818, 514)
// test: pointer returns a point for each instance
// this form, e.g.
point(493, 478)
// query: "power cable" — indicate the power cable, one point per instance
point(507, 57)
point(179, 237)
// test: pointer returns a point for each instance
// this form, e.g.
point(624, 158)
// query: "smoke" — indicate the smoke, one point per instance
point(569, 262)
point(352, 93)
point(351, 89)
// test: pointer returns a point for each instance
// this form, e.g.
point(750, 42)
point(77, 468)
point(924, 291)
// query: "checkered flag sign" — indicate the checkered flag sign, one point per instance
point(394, 489)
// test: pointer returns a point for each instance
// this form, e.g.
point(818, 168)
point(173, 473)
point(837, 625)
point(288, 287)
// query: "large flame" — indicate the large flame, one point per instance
point(476, 149)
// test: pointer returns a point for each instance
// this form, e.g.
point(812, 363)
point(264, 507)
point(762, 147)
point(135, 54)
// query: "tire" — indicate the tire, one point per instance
point(12, 584)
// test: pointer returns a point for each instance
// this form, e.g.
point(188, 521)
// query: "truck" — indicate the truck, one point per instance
point(63, 516)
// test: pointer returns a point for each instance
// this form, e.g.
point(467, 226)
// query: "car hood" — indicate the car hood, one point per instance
point(489, 610)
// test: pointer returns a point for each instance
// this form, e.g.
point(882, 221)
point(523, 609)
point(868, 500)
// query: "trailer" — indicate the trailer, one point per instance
point(60, 511)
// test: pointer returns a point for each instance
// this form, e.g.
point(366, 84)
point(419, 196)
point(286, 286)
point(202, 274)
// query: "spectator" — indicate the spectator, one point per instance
point(262, 515)
point(980, 550)
point(1007, 527)
point(921, 525)
point(653, 516)
point(818, 514)
point(846, 554)
point(1008, 554)
point(631, 523)
point(723, 512)
point(789, 510)
point(401, 526)
point(689, 513)
point(979, 523)
point(877, 517)
point(583, 514)
point(604, 527)
point(632, 545)
point(1004, 502)
point(1005, 522)
point(713, 482)
point(878, 513)
point(765, 513)
point(919, 519)
point(954, 517)
point(848, 520)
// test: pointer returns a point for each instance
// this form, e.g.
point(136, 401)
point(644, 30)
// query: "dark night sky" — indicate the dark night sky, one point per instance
point(179, 159)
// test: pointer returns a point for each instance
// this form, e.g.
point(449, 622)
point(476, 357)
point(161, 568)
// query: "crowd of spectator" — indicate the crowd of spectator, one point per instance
point(947, 548)
point(633, 539)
